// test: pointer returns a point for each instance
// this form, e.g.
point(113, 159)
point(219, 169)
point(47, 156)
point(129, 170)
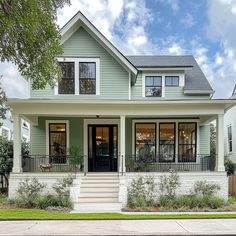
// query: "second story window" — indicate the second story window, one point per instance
point(67, 83)
point(87, 78)
point(230, 144)
point(153, 86)
point(172, 81)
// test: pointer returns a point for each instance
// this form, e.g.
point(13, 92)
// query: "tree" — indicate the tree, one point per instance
point(3, 103)
point(29, 38)
point(212, 139)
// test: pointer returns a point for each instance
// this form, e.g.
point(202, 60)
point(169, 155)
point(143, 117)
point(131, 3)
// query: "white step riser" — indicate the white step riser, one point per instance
point(98, 200)
point(98, 181)
point(99, 190)
point(94, 207)
point(98, 194)
point(99, 186)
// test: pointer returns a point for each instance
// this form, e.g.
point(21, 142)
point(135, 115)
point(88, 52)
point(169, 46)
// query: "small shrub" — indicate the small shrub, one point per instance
point(202, 188)
point(29, 192)
point(141, 192)
point(216, 203)
point(169, 184)
point(229, 167)
point(61, 187)
point(232, 200)
point(166, 201)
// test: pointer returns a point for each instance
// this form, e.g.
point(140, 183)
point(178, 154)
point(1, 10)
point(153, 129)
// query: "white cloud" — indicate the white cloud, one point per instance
point(174, 4)
point(188, 20)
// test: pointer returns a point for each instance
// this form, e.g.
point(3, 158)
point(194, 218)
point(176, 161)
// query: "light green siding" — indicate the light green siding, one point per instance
point(113, 77)
point(204, 136)
point(38, 134)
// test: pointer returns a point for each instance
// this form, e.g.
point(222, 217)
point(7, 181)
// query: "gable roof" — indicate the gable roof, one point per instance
point(195, 80)
point(80, 20)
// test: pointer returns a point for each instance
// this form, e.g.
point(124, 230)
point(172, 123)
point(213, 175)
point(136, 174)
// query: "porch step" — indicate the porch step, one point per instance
point(96, 207)
point(98, 193)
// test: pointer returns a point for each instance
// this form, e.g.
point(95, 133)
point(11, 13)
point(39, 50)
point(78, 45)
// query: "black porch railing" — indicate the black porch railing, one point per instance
point(160, 163)
point(45, 163)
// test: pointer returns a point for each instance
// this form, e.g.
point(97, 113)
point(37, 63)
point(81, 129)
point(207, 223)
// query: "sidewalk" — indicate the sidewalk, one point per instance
point(119, 227)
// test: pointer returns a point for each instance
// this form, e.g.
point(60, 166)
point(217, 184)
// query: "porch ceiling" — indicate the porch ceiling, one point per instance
point(117, 108)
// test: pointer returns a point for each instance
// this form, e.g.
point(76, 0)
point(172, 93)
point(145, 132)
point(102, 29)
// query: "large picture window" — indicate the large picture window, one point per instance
point(187, 142)
point(67, 83)
point(153, 86)
point(57, 142)
point(87, 78)
point(167, 142)
point(145, 140)
point(230, 144)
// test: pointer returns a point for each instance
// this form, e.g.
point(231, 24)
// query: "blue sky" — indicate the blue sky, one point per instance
point(204, 28)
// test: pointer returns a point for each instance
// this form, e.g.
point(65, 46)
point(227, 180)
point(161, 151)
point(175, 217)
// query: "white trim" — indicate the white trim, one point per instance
point(98, 122)
point(179, 69)
point(76, 64)
point(129, 86)
point(73, 24)
point(47, 122)
point(227, 135)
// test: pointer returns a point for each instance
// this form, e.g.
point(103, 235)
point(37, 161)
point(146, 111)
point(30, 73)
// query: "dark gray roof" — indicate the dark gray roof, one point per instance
point(195, 79)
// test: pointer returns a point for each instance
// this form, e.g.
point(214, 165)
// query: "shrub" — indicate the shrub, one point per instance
point(61, 187)
point(29, 192)
point(232, 200)
point(202, 188)
point(169, 184)
point(229, 167)
point(141, 192)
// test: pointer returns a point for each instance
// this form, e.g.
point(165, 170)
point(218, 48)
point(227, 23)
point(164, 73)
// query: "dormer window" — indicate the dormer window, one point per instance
point(67, 83)
point(80, 76)
point(153, 86)
point(172, 81)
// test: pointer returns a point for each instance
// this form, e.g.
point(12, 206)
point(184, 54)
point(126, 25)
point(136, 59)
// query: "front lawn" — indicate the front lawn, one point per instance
point(35, 214)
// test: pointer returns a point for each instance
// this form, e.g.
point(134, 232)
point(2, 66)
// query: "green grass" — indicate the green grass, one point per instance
point(34, 214)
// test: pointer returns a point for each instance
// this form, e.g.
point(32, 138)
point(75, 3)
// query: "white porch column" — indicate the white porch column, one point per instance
point(17, 163)
point(122, 144)
point(220, 143)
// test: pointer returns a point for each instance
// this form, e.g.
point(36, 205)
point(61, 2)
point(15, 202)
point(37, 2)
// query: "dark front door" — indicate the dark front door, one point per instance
point(103, 147)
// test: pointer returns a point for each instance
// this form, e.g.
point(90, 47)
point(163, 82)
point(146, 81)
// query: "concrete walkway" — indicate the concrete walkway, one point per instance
point(119, 227)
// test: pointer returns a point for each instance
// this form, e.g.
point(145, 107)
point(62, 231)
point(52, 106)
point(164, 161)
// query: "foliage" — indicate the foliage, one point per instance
point(76, 158)
point(29, 38)
point(229, 167)
point(169, 184)
point(61, 187)
point(29, 192)
point(232, 200)
point(202, 188)
point(212, 139)
point(141, 192)
point(3, 102)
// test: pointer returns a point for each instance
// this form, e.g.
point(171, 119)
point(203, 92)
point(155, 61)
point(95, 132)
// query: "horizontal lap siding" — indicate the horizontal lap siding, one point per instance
point(204, 133)
point(113, 77)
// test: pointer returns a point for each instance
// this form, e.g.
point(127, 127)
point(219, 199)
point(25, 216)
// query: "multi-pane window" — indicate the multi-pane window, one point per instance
point(187, 142)
point(145, 140)
point(57, 142)
point(153, 86)
point(67, 83)
point(172, 81)
point(167, 142)
point(230, 145)
point(87, 78)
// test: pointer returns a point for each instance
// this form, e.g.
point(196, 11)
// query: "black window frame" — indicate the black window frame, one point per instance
point(60, 159)
point(66, 78)
point(174, 76)
point(230, 139)
point(194, 157)
point(173, 159)
point(135, 135)
point(89, 78)
point(151, 86)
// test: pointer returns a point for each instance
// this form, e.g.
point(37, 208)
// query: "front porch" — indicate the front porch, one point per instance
point(129, 137)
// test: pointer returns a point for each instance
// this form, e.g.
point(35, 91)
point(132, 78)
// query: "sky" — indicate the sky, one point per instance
point(205, 29)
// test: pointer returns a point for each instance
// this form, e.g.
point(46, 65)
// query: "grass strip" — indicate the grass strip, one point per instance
point(35, 214)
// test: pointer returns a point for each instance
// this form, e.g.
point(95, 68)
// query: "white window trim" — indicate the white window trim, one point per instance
point(76, 63)
point(230, 125)
point(9, 132)
point(47, 122)
point(176, 121)
point(162, 75)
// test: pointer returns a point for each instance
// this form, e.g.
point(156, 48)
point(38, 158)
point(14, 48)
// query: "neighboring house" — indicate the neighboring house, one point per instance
point(230, 131)
point(7, 128)
point(129, 115)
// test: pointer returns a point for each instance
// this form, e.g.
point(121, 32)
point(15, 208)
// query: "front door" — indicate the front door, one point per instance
point(102, 148)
